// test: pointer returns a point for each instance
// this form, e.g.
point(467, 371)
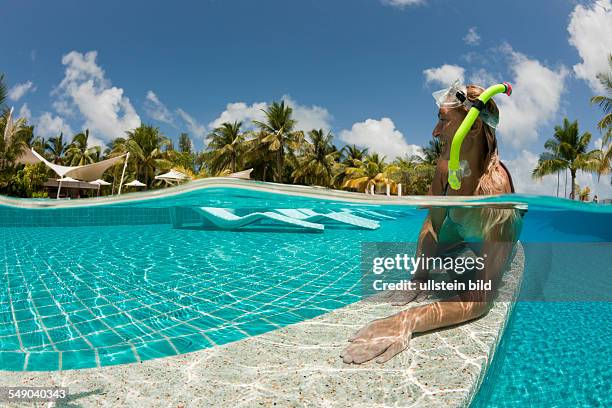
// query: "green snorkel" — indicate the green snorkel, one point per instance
point(455, 171)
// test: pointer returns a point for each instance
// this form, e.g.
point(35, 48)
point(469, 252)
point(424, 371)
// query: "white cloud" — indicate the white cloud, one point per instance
point(241, 112)
point(522, 167)
point(309, 117)
point(598, 143)
point(482, 77)
point(403, 3)
point(19, 90)
point(196, 128)
point(444, 75)
point(535, 99)
point(157, 110)
point(24, 112)
point(104, 108)
point(48, 125)
point(590, 31)
point(379, 136)
point(472, 37)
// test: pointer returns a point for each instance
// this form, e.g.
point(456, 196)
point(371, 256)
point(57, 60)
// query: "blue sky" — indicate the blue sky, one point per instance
point(363, 68)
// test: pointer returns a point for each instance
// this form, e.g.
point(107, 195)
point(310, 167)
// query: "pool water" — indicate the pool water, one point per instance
point(115, 284)
point(557, 353)
point(98, 295)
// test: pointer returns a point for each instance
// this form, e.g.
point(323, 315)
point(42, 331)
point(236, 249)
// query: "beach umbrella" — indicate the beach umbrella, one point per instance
point(100, 182)
point(135, 183)
point(62, 180)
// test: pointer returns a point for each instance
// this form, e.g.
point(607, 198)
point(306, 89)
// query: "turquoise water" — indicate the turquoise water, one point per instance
point(82, 292)
point(557, 353)
point(118, 284)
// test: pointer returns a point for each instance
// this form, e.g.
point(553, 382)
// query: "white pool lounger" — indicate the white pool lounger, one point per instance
point(371, 213)
point(306, 214)
point(223, 218)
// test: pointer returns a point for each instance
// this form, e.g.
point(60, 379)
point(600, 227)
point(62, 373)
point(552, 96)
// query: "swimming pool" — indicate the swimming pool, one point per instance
point(115, 284)
point(103, 286)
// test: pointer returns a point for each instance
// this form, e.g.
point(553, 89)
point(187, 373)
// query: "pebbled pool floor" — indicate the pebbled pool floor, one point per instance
point(299, 366)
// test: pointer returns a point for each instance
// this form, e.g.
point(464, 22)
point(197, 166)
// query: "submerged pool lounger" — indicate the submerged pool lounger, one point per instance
point(223, 218)
point(306, 214)
point(373, 214)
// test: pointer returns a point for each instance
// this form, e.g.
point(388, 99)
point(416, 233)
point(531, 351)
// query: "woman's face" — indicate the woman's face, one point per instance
point(474, 144)
point(449, 120)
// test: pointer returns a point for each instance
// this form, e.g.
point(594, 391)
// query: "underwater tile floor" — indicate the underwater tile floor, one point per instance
point(299, 365)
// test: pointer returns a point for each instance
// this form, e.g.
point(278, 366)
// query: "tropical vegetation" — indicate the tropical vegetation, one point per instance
point(567, 151)
point(276, 149)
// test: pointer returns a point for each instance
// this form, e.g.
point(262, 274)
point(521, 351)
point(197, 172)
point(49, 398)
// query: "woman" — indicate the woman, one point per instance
point(495, 230)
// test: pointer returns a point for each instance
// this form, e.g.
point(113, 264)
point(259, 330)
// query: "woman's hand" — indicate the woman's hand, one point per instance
point(382, 339)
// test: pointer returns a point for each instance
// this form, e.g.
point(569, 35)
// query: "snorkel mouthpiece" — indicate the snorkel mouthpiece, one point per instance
point(455, 170)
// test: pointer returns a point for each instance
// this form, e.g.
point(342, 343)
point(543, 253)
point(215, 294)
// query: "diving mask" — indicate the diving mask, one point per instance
point(455, 96)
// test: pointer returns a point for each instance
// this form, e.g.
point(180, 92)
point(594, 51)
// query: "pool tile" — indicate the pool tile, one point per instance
point(187, 344)
point(7, 329)
point(72, 344)
point(178, 330)
point(10, 360)
point(29, 325)
point(256, 327)
point(225, 335)
point(284, 319)
point(8, 343)
point(121, 354)
point(72, 360)
point(55, 321)
point(155, 349)
point(43, 361)
point(103, 339)
point(24, 314)
point(49, 310)
point(34, 339)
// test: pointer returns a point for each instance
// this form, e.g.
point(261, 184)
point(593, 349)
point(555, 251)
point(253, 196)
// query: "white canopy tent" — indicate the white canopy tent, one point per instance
point(86, 172)
point(173, 176)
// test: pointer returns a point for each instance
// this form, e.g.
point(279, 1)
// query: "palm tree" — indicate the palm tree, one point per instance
point(566, 150)
point(57, 148)
point(605, 101)
point(146, 147)
point(585, 194)
point(353, 154)
point(352, 157)
point(39, 143)
point(185, 145)
point(372, 171)
point(78, 153)
point(432, 152)
point(14, 137)
point(316, 164)
point(226, 148)
point(278, 135)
